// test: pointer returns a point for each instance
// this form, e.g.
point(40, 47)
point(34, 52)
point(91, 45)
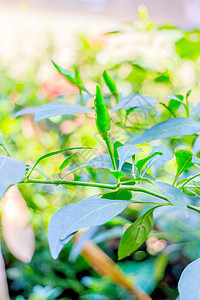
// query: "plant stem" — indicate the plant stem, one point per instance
point(93, 184)
point(109, 146)
point(187, 104)
point(135, 179)
point(86, 90)
point(108, 143)
point(111, 187)
point(132, 188)
point(81, 94)
point(194, 208)
point(151, 203)
point(66, 182)
point(175, 178)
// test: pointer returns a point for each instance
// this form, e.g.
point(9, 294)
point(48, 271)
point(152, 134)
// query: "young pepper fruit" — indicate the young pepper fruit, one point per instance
point(103, 121)
point(111, 84)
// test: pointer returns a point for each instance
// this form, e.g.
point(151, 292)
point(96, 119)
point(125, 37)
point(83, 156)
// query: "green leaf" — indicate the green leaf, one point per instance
point(178, 98)
point(54, 153)
point(111, 84)
point(116, 174)
point(189, 282)
point(103, 121)
point(24, 111)
point(116, 145)
point(158, 160)
point(53, 109)
point(125, 152)
point(192, 189)
point(174, 195)
point(136, 234)
point(169, 128)
point(73, 217)
point(183, 161)
point(73, 78)
point(102, 161)
point(135, 101)
point(58, 109)
point(175, 102)
point(12, 171)
point(79, 81)
point(140, 164)
point(66, 162)
point(120, 194)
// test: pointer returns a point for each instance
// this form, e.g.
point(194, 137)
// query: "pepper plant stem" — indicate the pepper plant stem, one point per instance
point(132, 188)
point(111, 187)
point(66, 182)
point(109, 146)
point(93, 184)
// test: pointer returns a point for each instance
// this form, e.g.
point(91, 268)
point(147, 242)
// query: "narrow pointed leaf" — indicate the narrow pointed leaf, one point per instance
point(192, 188)
point(73, 217)
point(25, 111)
point(52, 109)
point(125, 152)
point(169, 128)
point(159, 160)
point(183, 161)
point(116, 174)
point(74, 78)
point(174, 195)
point(69, 75)
point(12, 171)
point(175, 102)
point(174, 97)
point(135, 101)
point(136, 234)
point(102, 161)
point(140, 164)
point(54, 153)
point(58, 109)
point(67, 161)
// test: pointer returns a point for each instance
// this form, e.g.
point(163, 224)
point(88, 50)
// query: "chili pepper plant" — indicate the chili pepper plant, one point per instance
point(156, 166)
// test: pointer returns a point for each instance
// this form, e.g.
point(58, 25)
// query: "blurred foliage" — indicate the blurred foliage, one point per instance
point(165, 61)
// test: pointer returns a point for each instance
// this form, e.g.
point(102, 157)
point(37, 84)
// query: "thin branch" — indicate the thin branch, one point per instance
point(66, 182)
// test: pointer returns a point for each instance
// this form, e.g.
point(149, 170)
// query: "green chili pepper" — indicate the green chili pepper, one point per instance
point(102, 116)
point(111, 84)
